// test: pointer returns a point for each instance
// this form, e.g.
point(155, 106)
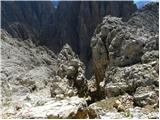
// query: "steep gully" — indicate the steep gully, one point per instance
point(125, 56)
point(72, 22)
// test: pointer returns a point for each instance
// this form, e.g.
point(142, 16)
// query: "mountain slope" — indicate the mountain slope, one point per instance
point(150, 11)
point(33, 75)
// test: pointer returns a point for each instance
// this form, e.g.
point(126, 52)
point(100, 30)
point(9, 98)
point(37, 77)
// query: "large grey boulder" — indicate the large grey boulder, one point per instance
point(127, 79)
point(150, 56)
point(145, 96)
point(71, 108)
point(121, 107)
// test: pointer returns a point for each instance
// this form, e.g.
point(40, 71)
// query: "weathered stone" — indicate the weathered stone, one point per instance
point(73, 107)
point(145, 96)
point(72, 72)
point(114, 89)
point(149, 11)
point(126, 79)
point(118, 43)
point(61, 86)
point(150, 56)
point(117, 103)
point(121, 108)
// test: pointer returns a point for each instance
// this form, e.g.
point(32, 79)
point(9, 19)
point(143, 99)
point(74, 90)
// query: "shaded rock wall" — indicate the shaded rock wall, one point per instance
point(73, 22)
point(25, 19)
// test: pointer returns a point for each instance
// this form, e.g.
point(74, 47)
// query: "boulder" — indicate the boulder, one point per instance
point(145, 96)
point(150, 56)
point(72, 108)
point(62, 86)
point(119, 80)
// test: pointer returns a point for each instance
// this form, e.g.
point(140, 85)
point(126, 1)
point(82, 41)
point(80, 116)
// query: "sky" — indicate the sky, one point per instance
point(146, 0)
point(139, 3)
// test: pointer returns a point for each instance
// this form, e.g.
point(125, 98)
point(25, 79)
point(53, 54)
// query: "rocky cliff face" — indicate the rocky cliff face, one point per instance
point(150, 11)
point(125, 56)
point(26, 19)
point(121, 44)
point(73, 22)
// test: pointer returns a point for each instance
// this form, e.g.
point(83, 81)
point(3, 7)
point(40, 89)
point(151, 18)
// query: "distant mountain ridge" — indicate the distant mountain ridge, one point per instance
point(142, 3)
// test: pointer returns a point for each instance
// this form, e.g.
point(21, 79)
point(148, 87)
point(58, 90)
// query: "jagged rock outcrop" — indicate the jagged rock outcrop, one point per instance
point(126, 57)
point(116, 43)
point(143, 98)
point(72, 71)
